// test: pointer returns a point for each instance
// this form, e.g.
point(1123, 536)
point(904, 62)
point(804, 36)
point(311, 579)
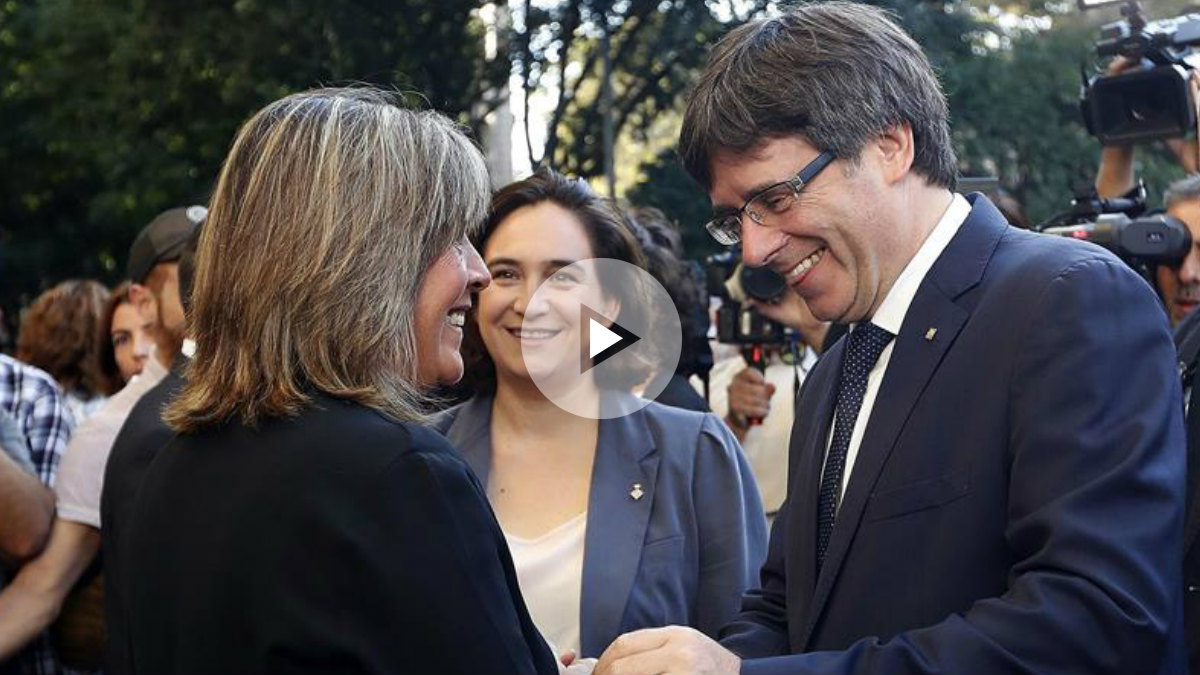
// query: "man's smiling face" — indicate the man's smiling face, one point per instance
point(836, 245)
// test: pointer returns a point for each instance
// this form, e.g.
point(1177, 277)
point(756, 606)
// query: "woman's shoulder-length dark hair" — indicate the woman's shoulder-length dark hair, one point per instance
point(609, 236)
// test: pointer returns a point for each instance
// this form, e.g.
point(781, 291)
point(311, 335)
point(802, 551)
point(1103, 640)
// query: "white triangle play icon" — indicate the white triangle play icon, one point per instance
point(599, 338)
point(602, 341)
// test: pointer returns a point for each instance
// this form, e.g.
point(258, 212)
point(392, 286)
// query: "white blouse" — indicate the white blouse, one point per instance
point(550, 573)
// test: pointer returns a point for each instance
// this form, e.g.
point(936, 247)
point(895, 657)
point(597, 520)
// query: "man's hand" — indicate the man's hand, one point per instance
point(749, 398)
point(674, 650)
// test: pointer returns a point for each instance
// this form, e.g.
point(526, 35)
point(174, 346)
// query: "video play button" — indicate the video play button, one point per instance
point(603, 341)
point(612, 320)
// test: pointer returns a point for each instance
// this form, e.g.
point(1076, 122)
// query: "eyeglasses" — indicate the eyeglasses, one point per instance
point(766, 206)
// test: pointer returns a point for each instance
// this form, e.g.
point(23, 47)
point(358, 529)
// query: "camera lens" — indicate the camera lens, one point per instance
point(762, 284)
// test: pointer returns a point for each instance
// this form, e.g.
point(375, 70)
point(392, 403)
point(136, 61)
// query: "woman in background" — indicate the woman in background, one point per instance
point(643, 520)
point(126, 336)
point(59, 335)
point(303, 520)
point(684, 283)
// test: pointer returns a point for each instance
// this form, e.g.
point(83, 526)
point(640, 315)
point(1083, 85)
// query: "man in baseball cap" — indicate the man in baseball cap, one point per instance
point(154, 270)
point(163, 240)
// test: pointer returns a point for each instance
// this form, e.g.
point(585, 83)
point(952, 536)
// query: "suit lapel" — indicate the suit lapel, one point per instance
point(1192, 516)
point(914, 360)
point(814, 414)
point(616, 528)
point(471, 434)
point(1187, 339)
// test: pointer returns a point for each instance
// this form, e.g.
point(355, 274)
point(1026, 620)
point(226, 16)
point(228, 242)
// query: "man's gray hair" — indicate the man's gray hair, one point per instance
point(1182, 190)
point(836, 73)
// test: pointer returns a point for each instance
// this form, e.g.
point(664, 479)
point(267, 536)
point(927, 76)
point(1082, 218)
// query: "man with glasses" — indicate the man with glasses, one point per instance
point(986, 474)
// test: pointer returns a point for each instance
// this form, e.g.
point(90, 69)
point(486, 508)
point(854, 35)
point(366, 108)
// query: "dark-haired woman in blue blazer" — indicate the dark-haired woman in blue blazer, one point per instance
point(675, 528)
point(644, 520)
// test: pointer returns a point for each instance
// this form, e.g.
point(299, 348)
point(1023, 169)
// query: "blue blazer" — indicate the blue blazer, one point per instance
point(681, 554)
point(1017, 501)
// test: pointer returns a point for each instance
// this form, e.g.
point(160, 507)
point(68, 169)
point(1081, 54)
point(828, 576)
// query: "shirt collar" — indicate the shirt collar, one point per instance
point(891, 312)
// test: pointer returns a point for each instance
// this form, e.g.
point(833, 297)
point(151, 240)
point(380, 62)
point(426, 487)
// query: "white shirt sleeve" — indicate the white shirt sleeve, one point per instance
point(81, 473)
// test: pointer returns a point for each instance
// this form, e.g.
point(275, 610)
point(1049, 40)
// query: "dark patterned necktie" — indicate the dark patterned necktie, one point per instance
point(866, 342)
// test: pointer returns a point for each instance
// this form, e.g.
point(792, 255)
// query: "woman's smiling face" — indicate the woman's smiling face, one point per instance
point(529, 248)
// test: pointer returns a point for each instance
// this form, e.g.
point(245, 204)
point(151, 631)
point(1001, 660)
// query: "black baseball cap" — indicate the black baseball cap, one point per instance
point(163, 240)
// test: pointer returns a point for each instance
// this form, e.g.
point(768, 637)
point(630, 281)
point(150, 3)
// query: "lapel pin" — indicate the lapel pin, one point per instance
point(637, 491)
point(929, 334)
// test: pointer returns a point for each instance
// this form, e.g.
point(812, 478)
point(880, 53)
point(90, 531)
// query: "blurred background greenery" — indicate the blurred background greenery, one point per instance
point(113, 110)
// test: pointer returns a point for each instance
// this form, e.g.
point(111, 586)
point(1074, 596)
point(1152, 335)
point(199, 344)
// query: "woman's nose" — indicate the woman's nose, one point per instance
point(478, 277)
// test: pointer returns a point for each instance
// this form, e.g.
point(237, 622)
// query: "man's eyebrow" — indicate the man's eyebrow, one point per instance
point(746, 196)
point(755, 190)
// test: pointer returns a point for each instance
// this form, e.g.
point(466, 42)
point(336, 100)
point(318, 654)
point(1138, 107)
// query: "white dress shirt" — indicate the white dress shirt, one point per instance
point(890, 317)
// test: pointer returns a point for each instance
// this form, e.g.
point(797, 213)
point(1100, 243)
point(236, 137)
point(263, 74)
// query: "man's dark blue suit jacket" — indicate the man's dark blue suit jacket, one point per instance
point(1017, 501)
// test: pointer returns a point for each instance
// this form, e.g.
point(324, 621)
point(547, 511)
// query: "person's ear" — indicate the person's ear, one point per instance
point(140, 295)
point(143, 300)
point(894, 150)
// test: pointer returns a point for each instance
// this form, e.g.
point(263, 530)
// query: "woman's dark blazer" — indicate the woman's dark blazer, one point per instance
point(338, 541)
point(679, 550)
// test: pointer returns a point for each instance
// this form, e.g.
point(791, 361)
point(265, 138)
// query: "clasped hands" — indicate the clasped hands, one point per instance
point(673, 650)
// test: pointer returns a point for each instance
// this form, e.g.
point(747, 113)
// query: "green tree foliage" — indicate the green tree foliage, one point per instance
point(657, 49)
point(667, 186)
point(114, 110)
point(1016, 115)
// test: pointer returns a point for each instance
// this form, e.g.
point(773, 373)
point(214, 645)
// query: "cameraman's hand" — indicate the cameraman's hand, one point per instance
point(749, 398)
point(1121, 64)
point(1115, 174)
point(793, 312)
point(1187, 150)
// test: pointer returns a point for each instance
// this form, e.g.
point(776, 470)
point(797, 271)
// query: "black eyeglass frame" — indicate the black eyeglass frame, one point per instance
point(731, 236)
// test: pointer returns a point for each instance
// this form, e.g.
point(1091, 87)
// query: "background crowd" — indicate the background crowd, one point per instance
point(246, 353)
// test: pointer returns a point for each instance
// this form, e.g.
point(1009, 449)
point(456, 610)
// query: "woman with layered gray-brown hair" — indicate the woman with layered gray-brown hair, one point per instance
point(302, 519)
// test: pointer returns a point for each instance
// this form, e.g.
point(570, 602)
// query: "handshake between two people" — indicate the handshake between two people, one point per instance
point(671, 650)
